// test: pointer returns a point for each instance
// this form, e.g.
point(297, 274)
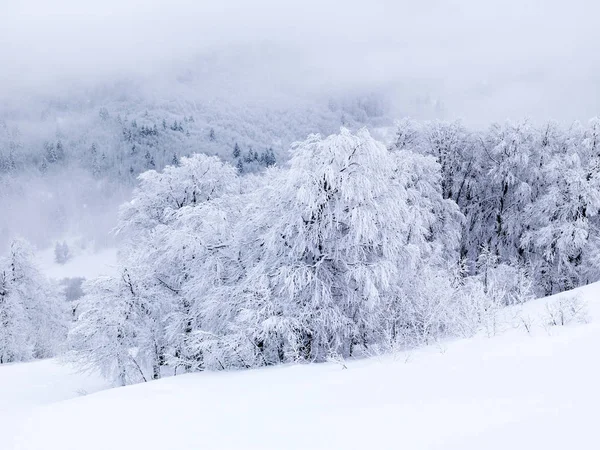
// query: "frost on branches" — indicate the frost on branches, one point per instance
point(348, 249)
point(340, 230)
point(529, 195)
point(323, 257)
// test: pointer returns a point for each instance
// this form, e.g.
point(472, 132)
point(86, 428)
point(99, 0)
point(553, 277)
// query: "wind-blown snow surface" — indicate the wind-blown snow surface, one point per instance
point(516, 390)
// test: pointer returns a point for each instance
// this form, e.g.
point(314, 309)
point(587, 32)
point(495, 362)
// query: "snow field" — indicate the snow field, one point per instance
point(517, 390)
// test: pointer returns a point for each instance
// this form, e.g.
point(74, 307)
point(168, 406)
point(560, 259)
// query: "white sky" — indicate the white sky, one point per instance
point(484, 60)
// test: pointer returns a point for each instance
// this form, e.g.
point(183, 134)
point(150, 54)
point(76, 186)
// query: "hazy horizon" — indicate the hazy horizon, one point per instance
point(477, 62)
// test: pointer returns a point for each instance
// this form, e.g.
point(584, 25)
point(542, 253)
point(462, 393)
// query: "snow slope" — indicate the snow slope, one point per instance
point(516, 390)
point(26, 386)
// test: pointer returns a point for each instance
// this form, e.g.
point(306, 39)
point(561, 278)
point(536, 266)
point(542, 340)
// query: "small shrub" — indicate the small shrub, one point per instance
point(567, 310)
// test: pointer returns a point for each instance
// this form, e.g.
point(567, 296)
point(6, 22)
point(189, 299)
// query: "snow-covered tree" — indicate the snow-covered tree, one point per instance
point(32, 313)
point(61, 252)
point(160, 194)
point(564, 234)
point(349, 247)
point(199, 256)
point(324, 257)
point(15, 344)
point(119, 330)
point(152, 318)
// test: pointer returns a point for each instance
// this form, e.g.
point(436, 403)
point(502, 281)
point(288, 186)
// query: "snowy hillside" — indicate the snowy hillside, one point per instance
point(517, 389)
point(299, 225)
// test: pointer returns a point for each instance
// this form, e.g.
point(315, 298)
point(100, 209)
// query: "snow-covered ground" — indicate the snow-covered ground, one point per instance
point(86, 263)
point(515, 390)
point(25, 387)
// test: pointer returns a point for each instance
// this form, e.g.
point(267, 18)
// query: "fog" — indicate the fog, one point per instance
point(268, 70)
point(479, 61)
